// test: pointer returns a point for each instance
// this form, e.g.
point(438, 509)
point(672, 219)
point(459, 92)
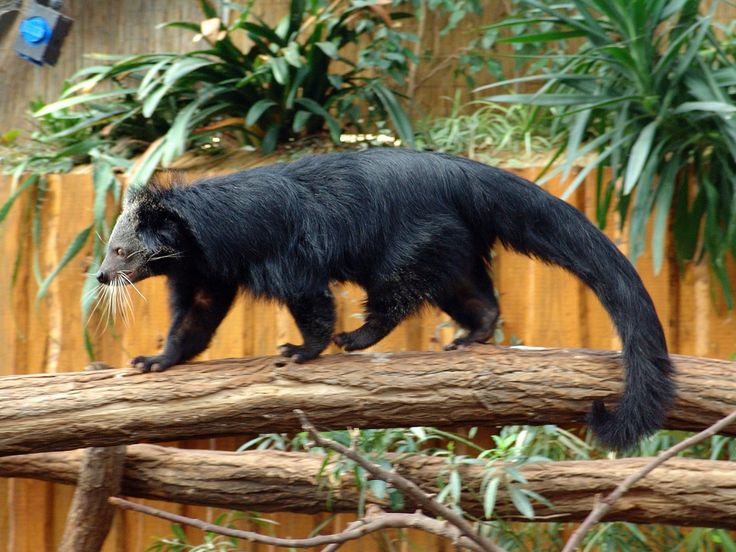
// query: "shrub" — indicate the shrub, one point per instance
point(648, 91)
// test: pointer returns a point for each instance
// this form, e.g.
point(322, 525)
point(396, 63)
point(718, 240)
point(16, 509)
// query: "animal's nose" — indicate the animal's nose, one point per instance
point(102, 277)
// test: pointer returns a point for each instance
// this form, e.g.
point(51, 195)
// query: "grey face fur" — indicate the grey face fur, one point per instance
point(126, 256)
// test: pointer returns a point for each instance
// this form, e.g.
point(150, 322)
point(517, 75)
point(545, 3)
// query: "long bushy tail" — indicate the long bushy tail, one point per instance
point(531, 221)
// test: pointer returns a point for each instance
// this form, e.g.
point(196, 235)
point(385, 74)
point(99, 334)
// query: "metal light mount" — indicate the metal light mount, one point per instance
point(41, 33)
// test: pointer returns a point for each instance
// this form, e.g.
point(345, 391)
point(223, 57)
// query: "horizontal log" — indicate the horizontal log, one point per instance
point(485, 385)
point(684, 491)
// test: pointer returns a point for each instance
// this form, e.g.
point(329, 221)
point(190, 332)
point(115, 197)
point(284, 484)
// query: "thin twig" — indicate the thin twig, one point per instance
point(352, 532)
point(602, 507)
point(426, 502)
point(411, 87)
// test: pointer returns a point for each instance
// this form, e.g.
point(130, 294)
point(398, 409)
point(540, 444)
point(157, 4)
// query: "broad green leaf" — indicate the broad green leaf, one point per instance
point(175, 142)
point(147, 164)
point(456, 486)
point(638, 156)
point(314, 107)
point(292, 55)
point(258, 109)
point(328, 48)
point(280, 69)
point(521, 501)
point(643, 201)
point(103, 180)
point(183, 66)
point(580, 123)
point(398, 116)
point(268, 144)
point(300, 119)
point(489, 497)
point(150, 78)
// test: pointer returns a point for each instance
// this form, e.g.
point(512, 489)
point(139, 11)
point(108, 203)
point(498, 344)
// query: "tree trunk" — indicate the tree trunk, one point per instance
point(683, 491)
point(483, 386)
point(89, 519)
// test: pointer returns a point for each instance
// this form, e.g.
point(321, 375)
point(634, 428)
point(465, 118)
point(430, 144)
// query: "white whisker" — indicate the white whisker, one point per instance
point(166, 256)
point(131, 284)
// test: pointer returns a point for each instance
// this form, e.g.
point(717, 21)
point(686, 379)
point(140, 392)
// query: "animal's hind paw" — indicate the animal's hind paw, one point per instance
point(157, 363)
point(355, 340)
point(298, 353)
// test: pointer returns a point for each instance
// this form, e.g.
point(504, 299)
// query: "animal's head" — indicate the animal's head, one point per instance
point(146, 239)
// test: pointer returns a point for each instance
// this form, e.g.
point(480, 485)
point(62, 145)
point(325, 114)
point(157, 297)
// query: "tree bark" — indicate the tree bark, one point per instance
point(684, 491)
point(89, 519)
point(481, 386)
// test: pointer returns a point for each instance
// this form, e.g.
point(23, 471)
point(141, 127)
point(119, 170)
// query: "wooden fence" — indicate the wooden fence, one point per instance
point(540, 305)
point(115, 27)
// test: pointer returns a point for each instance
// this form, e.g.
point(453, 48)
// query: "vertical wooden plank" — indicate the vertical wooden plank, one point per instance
point(600, 330)
point(30, 503)
point(11, 239)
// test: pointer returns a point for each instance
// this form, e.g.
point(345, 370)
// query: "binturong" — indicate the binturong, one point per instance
point(410, 228)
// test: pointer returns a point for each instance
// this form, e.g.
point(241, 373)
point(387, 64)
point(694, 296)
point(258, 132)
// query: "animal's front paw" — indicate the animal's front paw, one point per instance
point(157, 363)
point(298, 353)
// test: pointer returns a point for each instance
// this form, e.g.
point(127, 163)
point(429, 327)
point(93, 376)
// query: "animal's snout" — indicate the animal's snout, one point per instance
point(102, 277)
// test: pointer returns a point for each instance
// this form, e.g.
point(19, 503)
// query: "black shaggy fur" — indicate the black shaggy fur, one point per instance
point(411, 228)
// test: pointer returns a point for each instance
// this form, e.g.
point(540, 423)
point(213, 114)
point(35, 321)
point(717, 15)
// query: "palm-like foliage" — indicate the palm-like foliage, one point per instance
point(647, 97)
point(284, 84)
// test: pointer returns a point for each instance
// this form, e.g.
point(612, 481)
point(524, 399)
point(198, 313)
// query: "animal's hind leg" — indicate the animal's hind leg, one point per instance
point(387, 305)
point(315, 317)
point(472, 304)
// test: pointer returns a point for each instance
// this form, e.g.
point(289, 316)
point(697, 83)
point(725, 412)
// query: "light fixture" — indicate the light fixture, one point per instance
point(42, 32)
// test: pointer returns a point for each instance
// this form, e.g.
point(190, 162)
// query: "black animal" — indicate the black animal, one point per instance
point(411, 228)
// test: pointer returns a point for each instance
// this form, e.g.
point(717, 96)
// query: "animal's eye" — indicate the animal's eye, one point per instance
point(120, 252)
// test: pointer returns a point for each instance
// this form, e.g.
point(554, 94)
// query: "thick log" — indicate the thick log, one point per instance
point(684, 491)
point(482, 386)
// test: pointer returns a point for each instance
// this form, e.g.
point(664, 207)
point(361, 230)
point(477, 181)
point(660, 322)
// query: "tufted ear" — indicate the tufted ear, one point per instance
point(161, 234)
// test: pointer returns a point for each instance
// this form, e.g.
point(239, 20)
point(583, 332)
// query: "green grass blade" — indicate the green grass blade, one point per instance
point(82, 98)
point(32, 180)
point(74, 247)
point(639, 155)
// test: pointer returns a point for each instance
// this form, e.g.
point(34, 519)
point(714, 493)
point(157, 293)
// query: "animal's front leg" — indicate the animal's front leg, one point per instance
point(314, 315)
point(196, 313)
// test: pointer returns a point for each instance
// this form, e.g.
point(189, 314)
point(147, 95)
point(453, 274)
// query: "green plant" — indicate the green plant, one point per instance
point(486, 130)
point(285, 84)
point(502, 456)
point(648, 92)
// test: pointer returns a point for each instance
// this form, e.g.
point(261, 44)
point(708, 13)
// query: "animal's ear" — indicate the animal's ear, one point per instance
point(162, 234)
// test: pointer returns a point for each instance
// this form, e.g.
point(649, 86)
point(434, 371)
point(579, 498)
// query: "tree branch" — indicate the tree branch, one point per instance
point(603, 506)
point(403, 484)
point(481, 386)
point(90, 515)
point(684, 491)
point(369, 524)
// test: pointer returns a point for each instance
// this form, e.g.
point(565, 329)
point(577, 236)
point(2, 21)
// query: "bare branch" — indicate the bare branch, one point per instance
point(352, 532)
point(603, 506)
point(426, 502)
